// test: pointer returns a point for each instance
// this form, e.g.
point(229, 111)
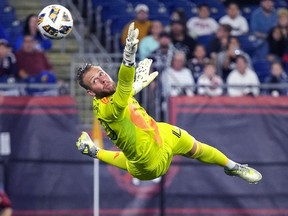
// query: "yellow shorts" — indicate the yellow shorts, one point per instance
point(176, 141)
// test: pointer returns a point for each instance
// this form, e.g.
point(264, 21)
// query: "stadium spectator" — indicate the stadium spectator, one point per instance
point(197, 62)
point(141, 21)
point(220, 42)
point(277, 76)
point(282, 22)
point(162, 57)
point(233, 18)
point(177, 79)
point(178, 15)
point(151, 42)
point(225, 62)
point(181, 40)
point(34, 66)
point(202, 24)
point(30, 27)
point(210, 81)
point(262, 20)
point(243, 81)
point(276, 43)
point(8, 67)
point(283, 25)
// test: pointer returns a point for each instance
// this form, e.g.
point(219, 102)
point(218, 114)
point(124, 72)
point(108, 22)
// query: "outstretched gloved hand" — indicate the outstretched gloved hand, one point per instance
point(142, 76)
point(131, 45)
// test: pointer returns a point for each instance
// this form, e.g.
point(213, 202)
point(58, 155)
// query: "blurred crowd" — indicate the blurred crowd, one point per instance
point(193, 55)
point(25, 61)
point(204, 56)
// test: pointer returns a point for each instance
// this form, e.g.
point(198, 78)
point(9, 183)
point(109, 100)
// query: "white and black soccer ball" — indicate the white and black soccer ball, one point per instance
point(55, 21)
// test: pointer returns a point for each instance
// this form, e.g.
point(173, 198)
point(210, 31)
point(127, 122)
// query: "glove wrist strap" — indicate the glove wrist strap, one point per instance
point(128, 64)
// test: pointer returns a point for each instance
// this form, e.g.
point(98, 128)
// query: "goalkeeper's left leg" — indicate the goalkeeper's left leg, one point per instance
point(86, 146)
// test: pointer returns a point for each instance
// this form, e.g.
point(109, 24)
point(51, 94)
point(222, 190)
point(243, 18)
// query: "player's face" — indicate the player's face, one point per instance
point(99, 82)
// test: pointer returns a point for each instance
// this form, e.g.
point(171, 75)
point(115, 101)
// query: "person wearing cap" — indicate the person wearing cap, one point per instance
point(8, 66)
point(141, 22)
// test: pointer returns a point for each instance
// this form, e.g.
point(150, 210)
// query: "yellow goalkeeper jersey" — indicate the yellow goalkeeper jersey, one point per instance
point(132, 130)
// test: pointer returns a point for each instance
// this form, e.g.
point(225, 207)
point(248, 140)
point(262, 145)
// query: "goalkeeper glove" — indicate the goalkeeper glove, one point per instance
point(130, 49)
point(142, 76)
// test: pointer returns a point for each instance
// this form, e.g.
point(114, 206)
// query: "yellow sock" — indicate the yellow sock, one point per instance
point(209, 154)
point(115, 158)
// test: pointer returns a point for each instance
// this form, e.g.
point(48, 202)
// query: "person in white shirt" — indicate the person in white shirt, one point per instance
point(233, 18)
point(177, 79)
point(203, 24)
point(209, 82)
point(243, 76)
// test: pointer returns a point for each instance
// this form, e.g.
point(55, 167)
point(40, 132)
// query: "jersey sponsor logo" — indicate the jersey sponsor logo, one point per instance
point(105, 100)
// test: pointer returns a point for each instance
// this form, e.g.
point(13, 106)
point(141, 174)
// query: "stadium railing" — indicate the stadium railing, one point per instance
point(111, 63)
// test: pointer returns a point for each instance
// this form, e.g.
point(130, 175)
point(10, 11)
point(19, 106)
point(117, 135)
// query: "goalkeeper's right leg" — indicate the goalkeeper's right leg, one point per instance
point(87, 147)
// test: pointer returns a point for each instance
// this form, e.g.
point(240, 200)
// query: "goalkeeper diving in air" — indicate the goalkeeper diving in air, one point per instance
point(147, 147)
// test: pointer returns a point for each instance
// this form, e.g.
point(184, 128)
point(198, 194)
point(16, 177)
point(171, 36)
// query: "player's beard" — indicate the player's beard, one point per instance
point(107, 91)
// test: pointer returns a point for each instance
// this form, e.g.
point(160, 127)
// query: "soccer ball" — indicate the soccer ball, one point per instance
point(55, 21)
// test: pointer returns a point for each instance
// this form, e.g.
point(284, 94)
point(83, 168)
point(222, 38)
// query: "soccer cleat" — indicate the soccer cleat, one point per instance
point(86, 146)
point(247, 173)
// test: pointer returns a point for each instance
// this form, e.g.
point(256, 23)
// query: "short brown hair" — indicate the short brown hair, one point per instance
point(80, 74)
